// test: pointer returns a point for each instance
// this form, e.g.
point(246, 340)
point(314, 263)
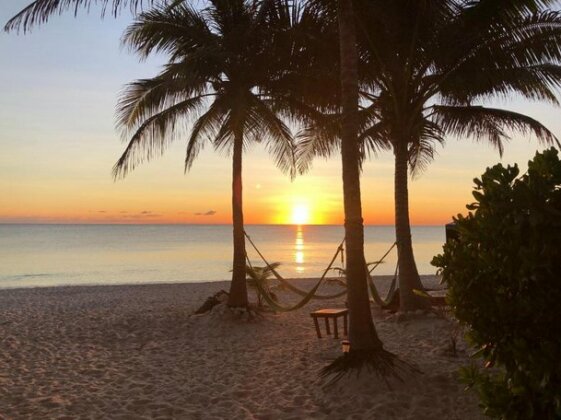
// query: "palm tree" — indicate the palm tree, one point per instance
point(362, 334)
point(431, 63)
point(424, 67)
point(218, 68)
point(314, 85)
point(366, 350)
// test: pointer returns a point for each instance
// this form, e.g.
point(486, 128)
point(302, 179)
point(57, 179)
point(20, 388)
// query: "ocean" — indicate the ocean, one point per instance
point(62, 255)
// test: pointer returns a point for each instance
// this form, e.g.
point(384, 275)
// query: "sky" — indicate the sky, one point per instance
point(58, 88)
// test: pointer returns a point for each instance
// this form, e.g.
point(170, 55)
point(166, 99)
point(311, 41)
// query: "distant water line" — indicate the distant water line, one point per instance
point(56, 255)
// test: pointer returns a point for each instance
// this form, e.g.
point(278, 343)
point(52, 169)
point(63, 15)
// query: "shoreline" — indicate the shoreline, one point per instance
point(384, 278)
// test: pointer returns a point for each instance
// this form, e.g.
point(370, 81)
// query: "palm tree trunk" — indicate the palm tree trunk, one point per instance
point(238, 286)
point(362, 333)
point(409, 279)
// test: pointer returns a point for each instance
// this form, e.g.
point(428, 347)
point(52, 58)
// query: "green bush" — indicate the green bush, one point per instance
point(504, 280)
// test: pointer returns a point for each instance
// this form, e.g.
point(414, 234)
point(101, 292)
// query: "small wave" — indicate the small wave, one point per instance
point(25, 276)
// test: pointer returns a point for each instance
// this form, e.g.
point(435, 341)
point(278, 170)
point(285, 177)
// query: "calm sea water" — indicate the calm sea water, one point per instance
point(55, 255)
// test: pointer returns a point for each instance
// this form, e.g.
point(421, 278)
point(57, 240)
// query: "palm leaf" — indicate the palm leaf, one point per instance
point(320, 138)
point(262, 124)
point(143, 98)
point(40, 11)
point(488, 123)
point(499, 51)
point(423, 149)
point(177, 31)
point(153, 136)
point(537, 82)
point(206, 128)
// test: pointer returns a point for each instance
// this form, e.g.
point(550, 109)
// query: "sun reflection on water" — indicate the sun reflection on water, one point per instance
point(299, 249)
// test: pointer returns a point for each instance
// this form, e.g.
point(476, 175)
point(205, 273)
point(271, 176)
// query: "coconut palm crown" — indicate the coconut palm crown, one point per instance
point(426, 70)
point(218, 67)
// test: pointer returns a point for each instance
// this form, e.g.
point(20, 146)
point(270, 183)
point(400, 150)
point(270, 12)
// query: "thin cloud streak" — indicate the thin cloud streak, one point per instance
point(208, 213)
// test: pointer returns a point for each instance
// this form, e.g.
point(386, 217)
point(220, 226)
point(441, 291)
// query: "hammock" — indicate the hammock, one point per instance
point(308, 295)
point(290, 286)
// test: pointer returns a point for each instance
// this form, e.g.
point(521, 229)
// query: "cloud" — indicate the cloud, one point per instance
point(208, 213)
point(142, 215)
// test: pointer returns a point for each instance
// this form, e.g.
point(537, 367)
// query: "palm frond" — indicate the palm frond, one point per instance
point(320, 138)
point(375, 138)
point(208, 127)
point(521, 50)
point(498, 12)
point(262, 273)
point(177, 31)
point(488, 123)
point(40, 11)
point(423, 149)
point(143, 98)
point(153, 136)
point(539, 82)
point(262, 124)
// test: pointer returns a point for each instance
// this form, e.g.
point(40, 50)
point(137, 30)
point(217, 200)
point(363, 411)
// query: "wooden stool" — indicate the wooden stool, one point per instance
point(333, 314)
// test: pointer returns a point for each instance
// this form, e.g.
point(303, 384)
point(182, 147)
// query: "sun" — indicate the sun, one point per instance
point(300, 214)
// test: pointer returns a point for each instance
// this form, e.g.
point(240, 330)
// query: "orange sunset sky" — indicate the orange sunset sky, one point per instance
point(59, 87)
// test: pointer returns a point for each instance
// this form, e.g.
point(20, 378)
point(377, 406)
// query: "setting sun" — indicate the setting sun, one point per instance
point(300, 214)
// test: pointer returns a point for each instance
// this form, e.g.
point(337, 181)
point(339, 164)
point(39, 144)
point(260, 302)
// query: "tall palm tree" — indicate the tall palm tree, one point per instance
point(362, 334)
point(218, 69)
point(432, 63)
point(366, 349)
point(424, 68)
point(316, 83)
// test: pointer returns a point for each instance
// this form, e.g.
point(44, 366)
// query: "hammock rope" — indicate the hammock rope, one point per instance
point(383, 303)
point(308, 295)
point(392, 290)
point(381, 260)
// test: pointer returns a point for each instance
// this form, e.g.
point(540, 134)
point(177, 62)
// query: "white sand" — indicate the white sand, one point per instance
point(135, 352)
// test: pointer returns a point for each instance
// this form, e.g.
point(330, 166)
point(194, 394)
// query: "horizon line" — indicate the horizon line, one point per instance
point(194, 224)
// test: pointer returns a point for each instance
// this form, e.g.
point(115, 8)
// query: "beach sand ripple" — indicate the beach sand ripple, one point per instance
point(135, 352)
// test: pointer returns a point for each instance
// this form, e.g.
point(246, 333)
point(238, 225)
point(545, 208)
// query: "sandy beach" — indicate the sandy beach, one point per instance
point(137, 352)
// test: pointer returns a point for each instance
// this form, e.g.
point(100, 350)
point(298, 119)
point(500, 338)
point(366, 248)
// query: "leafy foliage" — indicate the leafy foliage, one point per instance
point(504, 283)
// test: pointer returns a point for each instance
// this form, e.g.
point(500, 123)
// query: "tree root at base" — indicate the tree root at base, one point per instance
point(382, 363)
